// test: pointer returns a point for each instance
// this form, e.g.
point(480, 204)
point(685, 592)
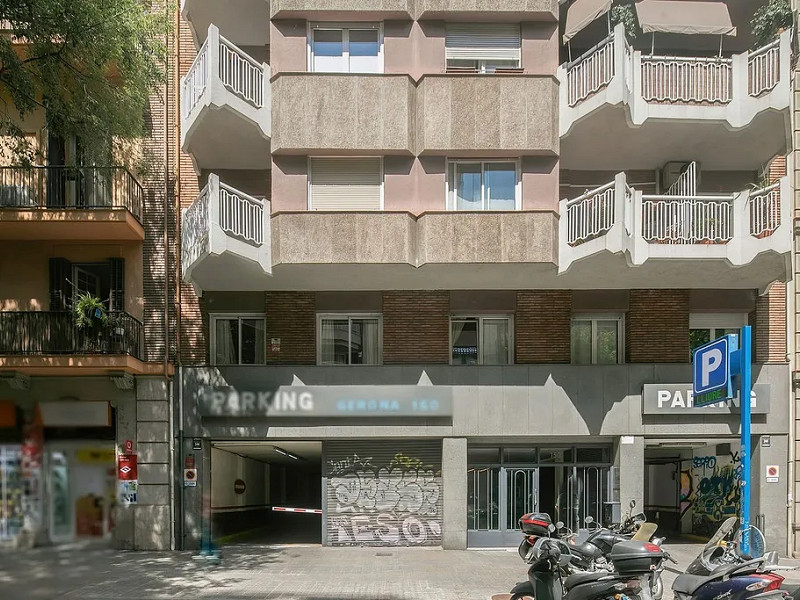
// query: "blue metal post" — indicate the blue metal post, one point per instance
point(745, 385)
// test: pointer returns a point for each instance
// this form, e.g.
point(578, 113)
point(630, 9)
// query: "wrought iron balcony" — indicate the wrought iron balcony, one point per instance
point(64, 188)
point(54, 332)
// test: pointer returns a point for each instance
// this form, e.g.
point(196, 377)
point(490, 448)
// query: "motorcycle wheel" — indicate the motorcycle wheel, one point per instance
point(657, 589)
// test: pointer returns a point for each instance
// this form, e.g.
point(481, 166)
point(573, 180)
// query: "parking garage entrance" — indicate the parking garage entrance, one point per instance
point(251, 479)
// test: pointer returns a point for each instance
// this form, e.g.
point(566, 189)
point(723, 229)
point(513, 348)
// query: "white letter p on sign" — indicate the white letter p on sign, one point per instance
point(710, 361)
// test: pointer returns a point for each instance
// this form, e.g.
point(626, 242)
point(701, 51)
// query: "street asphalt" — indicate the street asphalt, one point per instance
point(295, 572)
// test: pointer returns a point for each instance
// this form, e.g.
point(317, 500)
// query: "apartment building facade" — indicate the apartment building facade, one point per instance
point(444, 263)
point(74, 399)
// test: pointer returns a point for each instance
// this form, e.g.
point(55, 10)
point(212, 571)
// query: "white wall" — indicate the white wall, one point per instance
point(226, 468)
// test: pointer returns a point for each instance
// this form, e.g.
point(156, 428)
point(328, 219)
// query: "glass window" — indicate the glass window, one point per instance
point(238, 340)
point(519, 455)
point(705, 327)
point(482, 47)
point(555, 455)
point(346, 50)
point(596, 340)
point(480, 340)
point(349, 340)
point(483, 185)
point(482, 455)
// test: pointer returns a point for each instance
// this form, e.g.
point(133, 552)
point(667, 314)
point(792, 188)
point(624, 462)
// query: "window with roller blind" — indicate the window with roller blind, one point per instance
point(483, 47)
point(348, 184)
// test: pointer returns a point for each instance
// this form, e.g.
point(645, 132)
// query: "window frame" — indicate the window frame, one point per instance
point(309, 178)
point(349, 316)
point(451, 190)
point(481, 62)
point(713, 322)
point(481, 317)
point(344, 27)
point(212, 320)
point(594, 318)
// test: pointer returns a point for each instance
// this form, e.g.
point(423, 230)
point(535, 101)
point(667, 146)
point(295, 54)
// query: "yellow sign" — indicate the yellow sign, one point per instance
point(96, 456)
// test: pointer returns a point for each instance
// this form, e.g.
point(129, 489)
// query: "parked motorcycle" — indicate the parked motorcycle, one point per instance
point(722, 570)
point(552, 576)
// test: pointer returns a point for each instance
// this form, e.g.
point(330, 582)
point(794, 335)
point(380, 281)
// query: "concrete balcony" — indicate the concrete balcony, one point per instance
point(613, 92)
point(226, 240)
point(487, 115)
point(341, 113)
point(742, 239)
point(70, 203)
point(337, 9)
point(245, 22)
point(488, 10)
point(225, 108)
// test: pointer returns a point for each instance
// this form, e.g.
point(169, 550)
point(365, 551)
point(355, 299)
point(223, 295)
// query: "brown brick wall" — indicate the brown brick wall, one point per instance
point(657, 327)
point(416, 327)
point(769, 326)
point(159, 259)
point(291, 316)
point(194, 319)
point(542, 326)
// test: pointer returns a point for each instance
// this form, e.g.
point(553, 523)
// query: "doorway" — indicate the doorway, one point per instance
point(504, 483)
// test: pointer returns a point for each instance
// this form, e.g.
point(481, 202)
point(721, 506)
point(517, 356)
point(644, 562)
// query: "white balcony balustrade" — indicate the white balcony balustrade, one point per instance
point(731, 89)
point(226, 239)
point(225, 107)
point(616, 218)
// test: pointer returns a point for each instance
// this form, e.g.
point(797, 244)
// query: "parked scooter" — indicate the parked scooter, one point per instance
point(552, 576)
point(722, 570)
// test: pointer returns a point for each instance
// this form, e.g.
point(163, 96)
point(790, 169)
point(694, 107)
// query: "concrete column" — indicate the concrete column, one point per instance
point(454, 482)
point(123, 536)
point(629, 460)
point(197, 499)
point(769, 499)
point(152, 521)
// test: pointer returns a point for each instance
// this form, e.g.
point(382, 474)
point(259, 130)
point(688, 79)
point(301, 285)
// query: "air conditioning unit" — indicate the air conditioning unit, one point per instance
point(673, 170)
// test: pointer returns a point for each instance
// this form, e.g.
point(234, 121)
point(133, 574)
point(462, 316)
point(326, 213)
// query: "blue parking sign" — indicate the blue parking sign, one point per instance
point(712, 369)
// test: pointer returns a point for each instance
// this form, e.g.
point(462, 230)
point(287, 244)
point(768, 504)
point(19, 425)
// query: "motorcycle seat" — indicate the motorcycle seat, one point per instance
point(689, 584)
point(586, 577)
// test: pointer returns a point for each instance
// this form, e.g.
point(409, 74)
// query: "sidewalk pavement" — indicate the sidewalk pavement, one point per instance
point(82, 572)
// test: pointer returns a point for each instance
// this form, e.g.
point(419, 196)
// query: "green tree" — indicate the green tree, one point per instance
point(90, 64)
point(770, 18)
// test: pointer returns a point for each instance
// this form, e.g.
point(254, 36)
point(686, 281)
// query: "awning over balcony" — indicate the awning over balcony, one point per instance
point(582, 12)
point(684, 16)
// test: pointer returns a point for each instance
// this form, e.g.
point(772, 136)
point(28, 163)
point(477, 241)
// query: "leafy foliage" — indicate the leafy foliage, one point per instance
point(769, 20)
point(91, 64)
point(624, 13)
point(86, 309)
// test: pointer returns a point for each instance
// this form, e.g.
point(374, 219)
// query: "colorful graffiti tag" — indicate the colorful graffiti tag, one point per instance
point(395, 503)
point(710, 488)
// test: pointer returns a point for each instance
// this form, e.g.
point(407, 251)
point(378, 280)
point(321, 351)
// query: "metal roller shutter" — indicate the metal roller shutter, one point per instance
point(346, 183)
point(383, 493)
point(482, 41)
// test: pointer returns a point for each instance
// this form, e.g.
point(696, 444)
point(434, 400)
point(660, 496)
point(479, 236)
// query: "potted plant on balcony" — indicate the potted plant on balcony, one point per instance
point(91, 317)
point(624, 12)
point(770, 20)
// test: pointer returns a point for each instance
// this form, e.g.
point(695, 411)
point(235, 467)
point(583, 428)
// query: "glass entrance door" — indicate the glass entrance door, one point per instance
point(496, 499)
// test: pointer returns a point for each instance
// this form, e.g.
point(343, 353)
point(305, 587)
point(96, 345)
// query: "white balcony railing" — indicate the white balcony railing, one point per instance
point(590, 215)
point(733, 89)
point(195, 229)
point(618, 218)
point(687, 220)
point(237, 71)
point(763, 68)
point(590, 73)
point(223, 221)
point(195, 81)
point(686, 80)
point(240, 73)
point(241, 215)
point(765, 211)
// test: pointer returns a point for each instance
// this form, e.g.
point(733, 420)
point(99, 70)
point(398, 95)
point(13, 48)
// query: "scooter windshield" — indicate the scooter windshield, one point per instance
point(708, 559)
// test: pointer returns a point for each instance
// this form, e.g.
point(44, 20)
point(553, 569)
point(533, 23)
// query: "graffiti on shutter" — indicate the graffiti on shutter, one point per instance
point(384, 494)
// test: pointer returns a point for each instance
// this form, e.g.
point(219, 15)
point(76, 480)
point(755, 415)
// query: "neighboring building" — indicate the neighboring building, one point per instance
point(70, 398)
point(390, 314)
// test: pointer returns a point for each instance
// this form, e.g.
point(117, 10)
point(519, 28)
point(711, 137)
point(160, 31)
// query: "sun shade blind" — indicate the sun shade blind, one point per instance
point(582, 12)
point(682, 16)
point(345, 183)
point(482, 41)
